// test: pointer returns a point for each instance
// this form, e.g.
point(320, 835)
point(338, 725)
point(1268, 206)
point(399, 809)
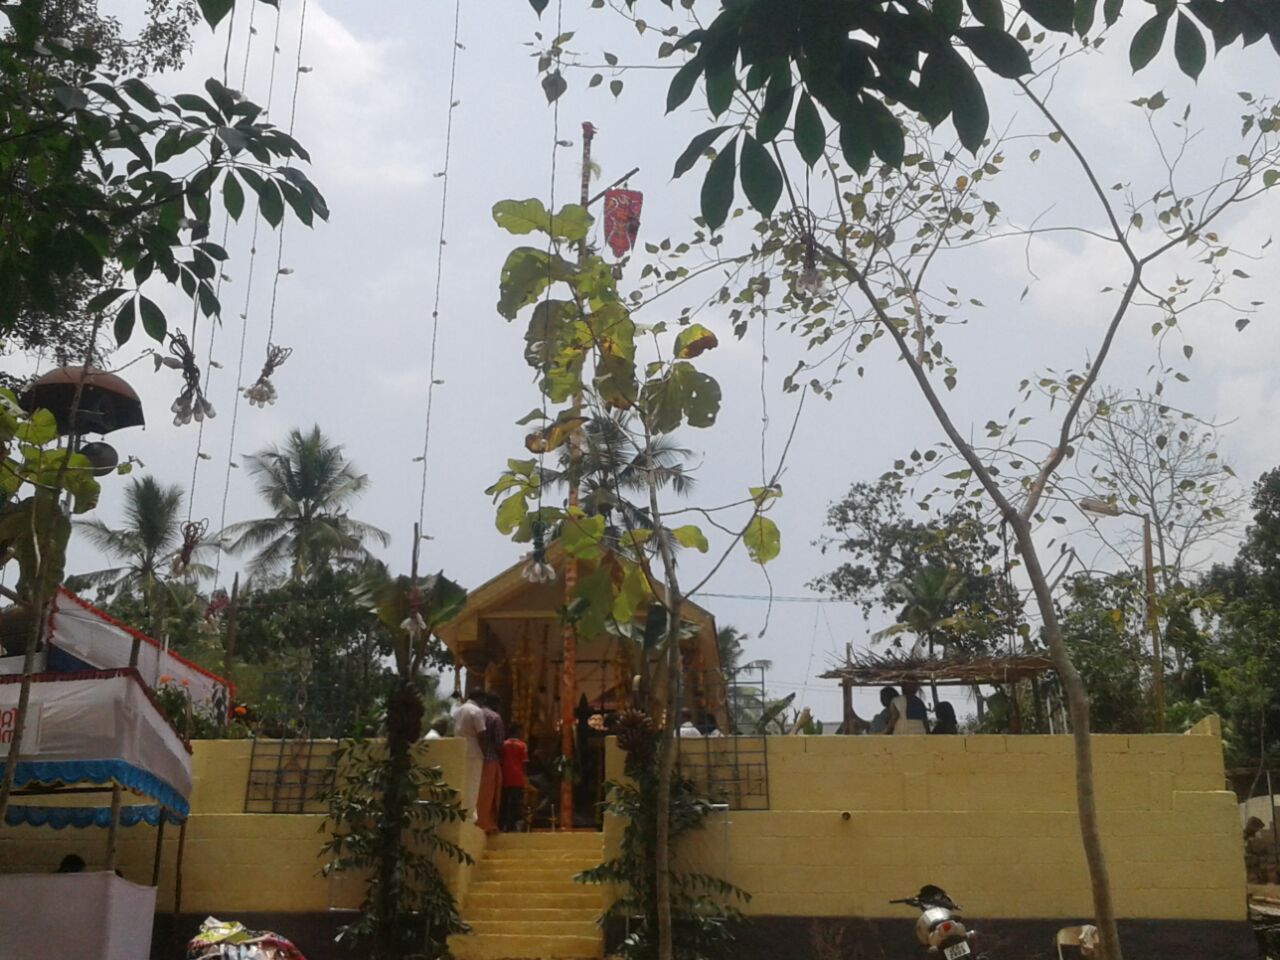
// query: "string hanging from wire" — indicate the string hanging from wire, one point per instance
point(209, 364)
point(536, 569)
point(244, 313)
point(262, 391)
point(441, 244)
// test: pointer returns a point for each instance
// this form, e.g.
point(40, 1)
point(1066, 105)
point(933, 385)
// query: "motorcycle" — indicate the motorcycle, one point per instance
point(940, 927)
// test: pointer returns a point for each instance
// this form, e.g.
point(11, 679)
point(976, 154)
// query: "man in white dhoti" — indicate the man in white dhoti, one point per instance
point(468, 723)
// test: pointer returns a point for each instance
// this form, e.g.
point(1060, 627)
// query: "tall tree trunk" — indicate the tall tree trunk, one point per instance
point(1078, 705)
point(666, 769)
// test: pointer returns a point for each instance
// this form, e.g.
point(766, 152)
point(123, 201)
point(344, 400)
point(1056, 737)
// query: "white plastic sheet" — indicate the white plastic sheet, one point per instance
point(93, 637)
point(89, 721)
point(74, 916)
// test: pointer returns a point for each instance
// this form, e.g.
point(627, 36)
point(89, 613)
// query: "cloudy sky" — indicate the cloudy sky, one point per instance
point(357, 307)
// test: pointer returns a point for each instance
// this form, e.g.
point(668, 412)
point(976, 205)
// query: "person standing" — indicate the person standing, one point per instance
point(514, 755)
point(469, 724)
point(687, 728)
point(909, 715)
point(945, 719)
point(881, 721)
point(491, 772)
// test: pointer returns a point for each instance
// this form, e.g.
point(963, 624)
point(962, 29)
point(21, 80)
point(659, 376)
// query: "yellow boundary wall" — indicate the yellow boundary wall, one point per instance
point(855, 821)
point(234, 861)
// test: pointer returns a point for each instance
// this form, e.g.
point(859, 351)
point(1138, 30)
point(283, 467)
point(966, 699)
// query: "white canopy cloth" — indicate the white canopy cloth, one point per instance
point(75, 916)
point(97, 727)
point(98, 640)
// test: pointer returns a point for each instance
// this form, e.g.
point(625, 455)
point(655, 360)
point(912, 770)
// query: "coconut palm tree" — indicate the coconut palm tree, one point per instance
point(309, 485)
point(145, 547)
point(613, 465)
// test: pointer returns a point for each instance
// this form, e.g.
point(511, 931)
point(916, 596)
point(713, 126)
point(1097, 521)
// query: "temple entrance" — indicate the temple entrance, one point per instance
point(510, 638)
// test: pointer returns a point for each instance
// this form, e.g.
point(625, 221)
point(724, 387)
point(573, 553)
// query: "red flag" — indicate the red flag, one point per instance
point(622, 219)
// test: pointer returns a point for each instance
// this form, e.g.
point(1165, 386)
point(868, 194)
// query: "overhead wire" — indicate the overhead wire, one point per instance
point(244, 315)
point(293, 115)
point(226, 230)
point(435, 304)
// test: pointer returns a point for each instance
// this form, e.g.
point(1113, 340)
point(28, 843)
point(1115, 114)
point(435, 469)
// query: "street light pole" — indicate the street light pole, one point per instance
point(1108, 509)
point(1153, 624)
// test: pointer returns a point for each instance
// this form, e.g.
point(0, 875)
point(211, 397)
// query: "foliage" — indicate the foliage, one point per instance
point(385, 815)
point(309, 485)
point(34, 474)
point(937, 573)
point(87, 154)
point(312, 657)
point(161, 43)
point(1145, 456)
point(856, 62)
point(1104, 625)
point(1241, 661)
point(704, 908)
point(148, 542)
point(386, 808)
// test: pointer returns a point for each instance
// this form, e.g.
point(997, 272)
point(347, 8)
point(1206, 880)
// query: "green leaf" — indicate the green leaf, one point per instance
point(615, 87)
point(1056, 15)
point(104, 299)
point(510, 513)
point(968, 104)
point(990, 13)
point(553, 86)
point(40, 428)
point(886, 132)
point(525, 274)
point(683, 395)
point(232, 195)
point(690, 536)
point(695, 340)
point(811, 135)
point(153, 321)
point(1189, 47)
point(762, 539)
point(696, 148)
point(761, 179)
point(581, 535)
point(947, 13)
point(683, 82)
point(1270, 178)
point(214, 10)
point(775, 112)
point(1147, 41)
point(124, 321)
point(1004, 55)
point(539, 6)
point(721, 84)
point(717, 188)
point(855, 139)
point(521, 216)
point(270, 203)
point(141, 93)
point(1111, 11)
point(1086, 11)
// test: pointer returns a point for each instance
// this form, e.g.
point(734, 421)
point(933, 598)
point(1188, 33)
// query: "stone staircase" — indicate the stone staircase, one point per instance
point(522, 903)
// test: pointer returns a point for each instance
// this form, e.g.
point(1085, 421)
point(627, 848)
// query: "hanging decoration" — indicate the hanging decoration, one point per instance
point(622, 218)
point(191, 403)
point(193, 531)
point(537, 570)
point(262, 391)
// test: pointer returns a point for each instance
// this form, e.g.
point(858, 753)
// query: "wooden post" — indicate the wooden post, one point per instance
point(1157, 654)
point(846, 691)
point(569, 637)
point(113, 830)
point(155, 867)
point(177, 873)
point(229, 643)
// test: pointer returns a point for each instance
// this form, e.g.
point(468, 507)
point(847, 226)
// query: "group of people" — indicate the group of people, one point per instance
point(906, 713)
point(496, 757)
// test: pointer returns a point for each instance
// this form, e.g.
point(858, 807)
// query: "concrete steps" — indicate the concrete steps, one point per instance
point(522, 903)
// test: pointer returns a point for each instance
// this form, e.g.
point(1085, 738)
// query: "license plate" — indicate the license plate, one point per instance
point(955, 951)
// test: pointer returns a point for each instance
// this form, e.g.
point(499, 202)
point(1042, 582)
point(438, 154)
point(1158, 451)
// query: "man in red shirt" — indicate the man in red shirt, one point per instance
point(514, 756)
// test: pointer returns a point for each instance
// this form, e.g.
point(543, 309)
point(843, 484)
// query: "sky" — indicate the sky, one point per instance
point(357, 307)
